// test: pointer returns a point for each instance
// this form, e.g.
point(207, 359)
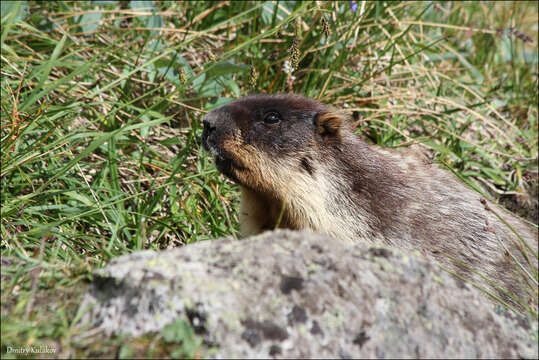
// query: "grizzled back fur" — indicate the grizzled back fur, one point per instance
point(300, 166)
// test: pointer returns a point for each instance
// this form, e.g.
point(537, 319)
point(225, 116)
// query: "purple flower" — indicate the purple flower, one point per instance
point(353, 6)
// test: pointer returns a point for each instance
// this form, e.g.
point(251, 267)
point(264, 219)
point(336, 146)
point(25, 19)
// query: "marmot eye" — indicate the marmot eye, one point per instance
point(272, 118)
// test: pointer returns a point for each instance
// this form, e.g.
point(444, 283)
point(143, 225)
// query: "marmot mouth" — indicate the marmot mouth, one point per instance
point(228, 167)
point(225, 163)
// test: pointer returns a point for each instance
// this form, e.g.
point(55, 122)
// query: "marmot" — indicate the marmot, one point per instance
point(300, 166)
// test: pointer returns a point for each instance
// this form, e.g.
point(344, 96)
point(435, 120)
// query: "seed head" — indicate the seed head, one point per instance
point(183, 77)
point(325, 27)
point(294, 54)
point(253, 77)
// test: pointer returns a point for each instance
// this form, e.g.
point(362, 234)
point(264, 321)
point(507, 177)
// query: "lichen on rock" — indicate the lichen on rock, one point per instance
point(304, 295)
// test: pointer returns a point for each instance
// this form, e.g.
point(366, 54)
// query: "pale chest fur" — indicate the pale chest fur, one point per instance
point(318, 203)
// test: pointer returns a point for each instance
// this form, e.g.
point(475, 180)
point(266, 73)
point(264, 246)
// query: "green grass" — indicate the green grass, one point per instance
point(101, 110)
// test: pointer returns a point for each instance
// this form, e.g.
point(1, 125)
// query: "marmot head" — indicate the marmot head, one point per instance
point(264, 142)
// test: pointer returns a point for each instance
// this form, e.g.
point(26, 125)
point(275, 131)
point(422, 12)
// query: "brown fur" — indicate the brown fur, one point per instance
point(309, 171)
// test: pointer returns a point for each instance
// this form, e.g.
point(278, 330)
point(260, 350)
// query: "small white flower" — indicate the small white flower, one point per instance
point(287, 68)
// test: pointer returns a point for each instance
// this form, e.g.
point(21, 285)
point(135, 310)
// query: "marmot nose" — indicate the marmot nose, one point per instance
point(209, 127)
point(209, 122)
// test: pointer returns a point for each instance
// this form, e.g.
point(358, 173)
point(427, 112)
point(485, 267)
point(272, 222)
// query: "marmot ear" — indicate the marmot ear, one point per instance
point(329, 122)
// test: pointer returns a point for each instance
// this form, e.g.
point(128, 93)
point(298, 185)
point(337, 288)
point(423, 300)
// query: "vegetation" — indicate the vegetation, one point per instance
point(101, 122)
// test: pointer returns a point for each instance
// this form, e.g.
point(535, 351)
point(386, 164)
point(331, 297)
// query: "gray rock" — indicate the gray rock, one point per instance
point(303, 295)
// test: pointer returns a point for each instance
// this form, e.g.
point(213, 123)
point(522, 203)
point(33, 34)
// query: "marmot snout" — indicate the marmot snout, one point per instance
point(252, 137)
point(300, 166)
